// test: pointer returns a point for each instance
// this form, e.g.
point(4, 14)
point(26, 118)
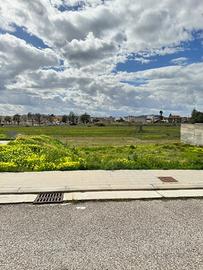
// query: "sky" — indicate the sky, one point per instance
point(104, 57)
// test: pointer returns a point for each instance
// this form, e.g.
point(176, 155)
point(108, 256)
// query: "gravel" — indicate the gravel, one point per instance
point(156, 234)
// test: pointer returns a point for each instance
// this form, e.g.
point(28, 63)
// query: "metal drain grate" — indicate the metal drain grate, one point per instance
point(167, 179)
point(49, 197)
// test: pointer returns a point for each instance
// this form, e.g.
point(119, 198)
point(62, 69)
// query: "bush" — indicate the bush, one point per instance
point(8, 167)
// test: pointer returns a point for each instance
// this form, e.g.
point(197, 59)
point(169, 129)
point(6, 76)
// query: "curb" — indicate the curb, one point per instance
point(109, 195)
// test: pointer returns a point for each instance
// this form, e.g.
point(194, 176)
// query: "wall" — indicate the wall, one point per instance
point(192, 134)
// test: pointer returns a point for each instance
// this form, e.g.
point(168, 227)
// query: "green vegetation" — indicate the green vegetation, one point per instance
point(97, 147)
point(197, 117)
point(100, 135)
point(38, 153)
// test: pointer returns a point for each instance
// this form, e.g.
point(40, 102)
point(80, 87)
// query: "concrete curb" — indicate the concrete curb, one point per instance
point(109, 195)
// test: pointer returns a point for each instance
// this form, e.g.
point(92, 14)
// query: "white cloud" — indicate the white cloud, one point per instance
point(140, 24)
point(90, 50)
point(179, 61)
point(16, 57)
point(91, 41)
point(174, 88)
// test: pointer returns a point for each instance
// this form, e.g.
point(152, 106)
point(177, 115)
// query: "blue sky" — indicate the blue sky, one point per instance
point(107, 57)
point(192, 50)
point(21, 32)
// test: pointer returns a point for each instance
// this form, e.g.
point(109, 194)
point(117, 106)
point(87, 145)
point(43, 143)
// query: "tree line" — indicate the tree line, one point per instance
point(71, 119)
point(37, 118)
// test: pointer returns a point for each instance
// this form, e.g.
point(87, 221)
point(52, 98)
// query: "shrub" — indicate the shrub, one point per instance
point(37, 153)
point(8, 167)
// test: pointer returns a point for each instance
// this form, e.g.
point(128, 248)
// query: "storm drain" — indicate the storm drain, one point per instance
point(167, 179)
point(49, 197)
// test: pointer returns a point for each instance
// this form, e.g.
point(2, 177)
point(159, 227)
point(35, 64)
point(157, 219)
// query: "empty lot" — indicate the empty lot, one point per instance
point(107, 135)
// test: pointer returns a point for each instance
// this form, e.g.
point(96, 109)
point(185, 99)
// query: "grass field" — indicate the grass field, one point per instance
point(39, 153)
point(93, 135)
point(109, 147)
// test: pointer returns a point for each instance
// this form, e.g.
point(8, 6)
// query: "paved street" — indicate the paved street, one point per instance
point(149, 235)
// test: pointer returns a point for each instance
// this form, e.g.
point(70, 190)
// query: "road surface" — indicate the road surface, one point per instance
point(143, 235)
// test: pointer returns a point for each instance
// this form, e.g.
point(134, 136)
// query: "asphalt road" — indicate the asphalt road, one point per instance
point(125, 235)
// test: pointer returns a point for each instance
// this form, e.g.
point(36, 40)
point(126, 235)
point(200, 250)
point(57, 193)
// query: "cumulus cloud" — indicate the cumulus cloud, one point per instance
point(174, 88)
point(89, 42)
point(90, 50)
point(16, 56)
point(144, 24)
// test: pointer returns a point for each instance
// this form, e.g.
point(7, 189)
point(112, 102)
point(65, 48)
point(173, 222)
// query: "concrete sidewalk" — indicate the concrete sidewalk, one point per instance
point(84, 185)
point(34, 182)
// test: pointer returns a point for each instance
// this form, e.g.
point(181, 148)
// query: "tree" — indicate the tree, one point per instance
point(64, 119)
point(17, 119)
point(72, 118)
point(196, 117)
point(38, 118)
point(8, 119)
point(120, 120)
point(161, 115)
point(85, 118)
point(30, 117)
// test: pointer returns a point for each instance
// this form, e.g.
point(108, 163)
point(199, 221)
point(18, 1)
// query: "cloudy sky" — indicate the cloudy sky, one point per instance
point(105, 57)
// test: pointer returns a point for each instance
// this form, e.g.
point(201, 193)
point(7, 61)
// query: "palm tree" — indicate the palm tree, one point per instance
point(161, 115)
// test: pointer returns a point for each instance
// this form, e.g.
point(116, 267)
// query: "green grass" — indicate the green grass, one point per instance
point(93, 135)
point(39, 153)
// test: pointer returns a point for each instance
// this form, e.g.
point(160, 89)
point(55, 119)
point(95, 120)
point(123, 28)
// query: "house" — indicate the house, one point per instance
point(104, 120)
point(153, 118)
point(174, 118)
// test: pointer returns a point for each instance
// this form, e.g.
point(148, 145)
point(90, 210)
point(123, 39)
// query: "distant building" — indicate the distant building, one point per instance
point(153, 118)
point(185, 119)
point(174, 118)
point(135, 119)
point(104, 120)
